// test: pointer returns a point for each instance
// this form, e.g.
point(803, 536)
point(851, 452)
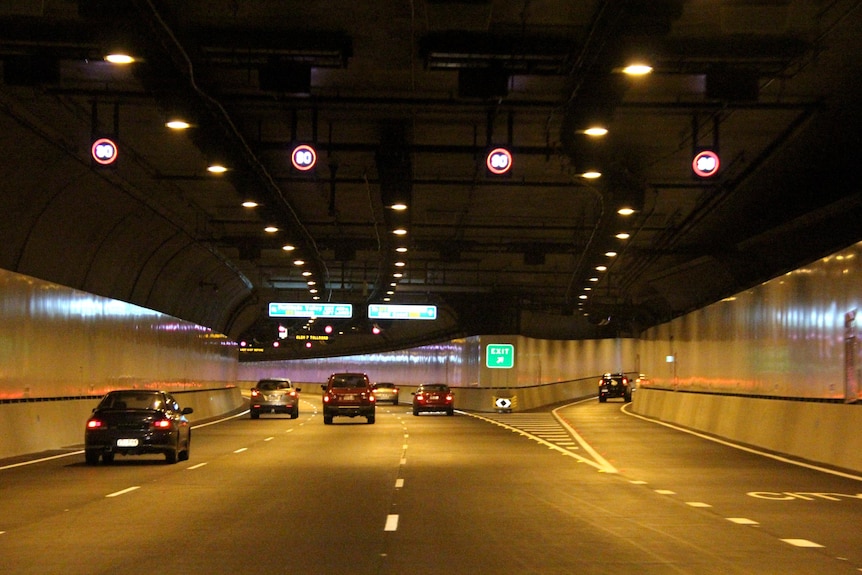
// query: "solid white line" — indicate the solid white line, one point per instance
point(607, 468)
point(604, 463)
point(391, 523)
point(198, 466)
point(625, 409)
point(123, 491)
point(40, 460)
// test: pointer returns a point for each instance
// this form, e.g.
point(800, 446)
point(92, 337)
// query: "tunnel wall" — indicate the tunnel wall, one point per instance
point(794, 336)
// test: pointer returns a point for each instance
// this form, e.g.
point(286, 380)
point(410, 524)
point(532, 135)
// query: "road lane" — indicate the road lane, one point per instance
point(429, 494)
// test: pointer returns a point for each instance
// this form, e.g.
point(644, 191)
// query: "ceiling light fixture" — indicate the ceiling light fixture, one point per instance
point(119, 58)
point(637, 69)
point(596, 131)
point(177, 124)
point(601, 268)
point(400, 264)
point(216, 169)
point(398, 206)
point(399, 232)
point(611, 254)
point(625, 211)
point(288, 247)
point(270, 229)
point(591, 175)
point(623, 236)
point(299, 262)
point(250, 204)
point(401, 250)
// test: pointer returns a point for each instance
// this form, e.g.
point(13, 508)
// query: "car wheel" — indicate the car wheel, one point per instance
point(108, 457)
point(295, 413)
point(327, 419)
point(415, 411)
point(91, 456)
point(370, 419)
point(450, 411)
point(255, 414)
point(172, 455)
point(184, 454)
point(603, 399)
point(628, 398)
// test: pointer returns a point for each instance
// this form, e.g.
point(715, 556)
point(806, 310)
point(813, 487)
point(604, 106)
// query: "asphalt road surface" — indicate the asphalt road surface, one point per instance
point(586, 489)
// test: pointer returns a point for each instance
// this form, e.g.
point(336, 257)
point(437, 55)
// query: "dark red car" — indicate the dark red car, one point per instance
point(348, 394)
point(433, 397)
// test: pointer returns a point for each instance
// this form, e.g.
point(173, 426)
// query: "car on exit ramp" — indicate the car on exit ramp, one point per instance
point(430, 397)
point(136, 422)
point(614, 385)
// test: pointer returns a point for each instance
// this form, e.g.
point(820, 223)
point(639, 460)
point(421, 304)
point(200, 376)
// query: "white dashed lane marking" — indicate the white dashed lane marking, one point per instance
point(123, 491)
point(391, 523)
point(802, 543)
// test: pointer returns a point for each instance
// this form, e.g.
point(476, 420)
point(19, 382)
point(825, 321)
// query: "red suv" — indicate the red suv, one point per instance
point(433, 397)
point(348, 394)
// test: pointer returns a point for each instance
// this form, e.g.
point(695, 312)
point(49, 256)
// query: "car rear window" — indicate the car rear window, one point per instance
point(348, 381)
point(132, 401)
point(269, 385)
point(435, 388)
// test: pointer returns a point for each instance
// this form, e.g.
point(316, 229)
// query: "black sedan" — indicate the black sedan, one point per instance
point(135, 422)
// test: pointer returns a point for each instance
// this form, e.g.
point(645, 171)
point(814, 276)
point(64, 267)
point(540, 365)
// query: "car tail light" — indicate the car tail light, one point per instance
point(420, 397)
point(255, 392)
point(293, 393)
point(94, 423)
point(326, 398)
point(449, 397)
point(371, 397)
point(162, 424)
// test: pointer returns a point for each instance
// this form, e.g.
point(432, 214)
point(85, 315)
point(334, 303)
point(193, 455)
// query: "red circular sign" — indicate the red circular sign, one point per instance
point(104, 151)
point(705, 163)
point(303, 158)
point(499, 161)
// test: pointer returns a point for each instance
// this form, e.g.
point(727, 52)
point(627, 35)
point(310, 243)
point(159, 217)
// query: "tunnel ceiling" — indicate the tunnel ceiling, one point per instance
point(402, 101)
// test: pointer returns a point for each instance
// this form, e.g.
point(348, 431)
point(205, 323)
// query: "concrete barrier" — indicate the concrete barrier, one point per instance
point(35, 426)
point(825, 433)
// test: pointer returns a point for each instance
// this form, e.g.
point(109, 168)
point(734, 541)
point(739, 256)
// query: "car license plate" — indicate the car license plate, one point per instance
point(435, 397)
point(348, 397)
point(127, 443)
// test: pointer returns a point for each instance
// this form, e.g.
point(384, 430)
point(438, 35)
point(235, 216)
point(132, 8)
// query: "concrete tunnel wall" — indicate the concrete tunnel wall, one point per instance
point(792, 338)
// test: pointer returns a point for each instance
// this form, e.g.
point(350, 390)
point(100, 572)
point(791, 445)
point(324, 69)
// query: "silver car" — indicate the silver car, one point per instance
point(385, 391)
point(274, 395)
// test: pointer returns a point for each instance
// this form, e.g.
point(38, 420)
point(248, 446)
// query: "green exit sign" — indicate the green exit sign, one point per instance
point(500, 355)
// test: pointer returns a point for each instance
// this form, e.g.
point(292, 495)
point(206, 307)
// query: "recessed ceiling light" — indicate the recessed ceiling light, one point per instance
point(178, 124)
point(400, 264)
point(270, 229)
point(306, 273)
point(583, 296)
point(311, 282)
point(625, 211)
point(398, 206)
point(594, 279)
point(399, 232)
point(623, 236)
point(596, 131)
point(299, 262)
point(637, 69)
point(398, 275)
point(611, 254)
point(591, 175)
point(401, 249)
point(601, 268)
point(288, 247)
point(119, 58)
point(216, 169)
point(250, 204)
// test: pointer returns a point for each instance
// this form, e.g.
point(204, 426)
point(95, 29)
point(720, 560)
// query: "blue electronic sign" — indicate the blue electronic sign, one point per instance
point(328, 310)
point(394, 311)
